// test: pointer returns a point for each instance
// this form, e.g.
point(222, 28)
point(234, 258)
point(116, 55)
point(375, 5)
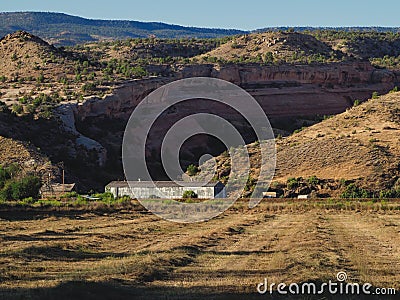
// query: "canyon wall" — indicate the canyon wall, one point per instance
point(282, 91)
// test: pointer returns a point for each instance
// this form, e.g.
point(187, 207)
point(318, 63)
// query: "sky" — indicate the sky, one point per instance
point(246, 15)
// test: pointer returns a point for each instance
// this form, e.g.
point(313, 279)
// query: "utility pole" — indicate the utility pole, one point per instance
point(63, 180)
point(61, 165)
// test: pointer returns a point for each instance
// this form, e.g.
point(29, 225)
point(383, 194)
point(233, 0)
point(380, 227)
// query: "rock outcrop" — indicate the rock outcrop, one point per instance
point(282, 91)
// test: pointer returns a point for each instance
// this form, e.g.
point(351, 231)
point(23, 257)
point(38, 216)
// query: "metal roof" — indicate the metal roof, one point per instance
point(58, 187)
point(121, 184)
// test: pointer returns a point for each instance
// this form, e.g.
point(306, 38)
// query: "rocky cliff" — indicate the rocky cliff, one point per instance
point(281, 90)
point(284, 92)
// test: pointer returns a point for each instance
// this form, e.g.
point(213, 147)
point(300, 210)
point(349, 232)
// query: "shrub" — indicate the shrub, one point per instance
point(389, 194)
point(189, 194)
point(373, 140)
point(235, 45)
point(26, 187)
point(299, 130)
point(5, 192)
point(30, 109)
point(268, 57)
point(40, 78)
point(353, 191)
point(88, 87)
point(37, 101)
point(17, 189)
point(69, 195)
point(313, 180)
point(192, 170)
point(29, 200)
point(138, 71)
point(106, 198)
point(293, 183)
point(250, 184)
point(17, 108)
point(4, 175)
point(46, 113)
point(22, 100)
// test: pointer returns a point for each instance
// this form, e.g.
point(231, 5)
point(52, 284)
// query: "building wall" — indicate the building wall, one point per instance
point(207, 192)
point(219, 191)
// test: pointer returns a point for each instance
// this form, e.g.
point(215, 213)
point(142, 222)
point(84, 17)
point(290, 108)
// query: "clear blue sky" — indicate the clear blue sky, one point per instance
point(248, 14)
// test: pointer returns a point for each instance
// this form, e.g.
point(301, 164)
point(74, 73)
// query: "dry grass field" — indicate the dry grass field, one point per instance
point(131, 254)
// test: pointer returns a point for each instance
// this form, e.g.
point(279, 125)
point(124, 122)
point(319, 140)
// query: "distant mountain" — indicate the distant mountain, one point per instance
point(347, 29)
point(65, 30)
point(61, 29)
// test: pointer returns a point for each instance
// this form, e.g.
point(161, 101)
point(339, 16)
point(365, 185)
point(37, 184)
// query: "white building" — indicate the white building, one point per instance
point(269, 194)
point(165, 189)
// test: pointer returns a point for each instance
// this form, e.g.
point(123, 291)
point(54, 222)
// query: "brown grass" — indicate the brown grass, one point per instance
point(133, 254)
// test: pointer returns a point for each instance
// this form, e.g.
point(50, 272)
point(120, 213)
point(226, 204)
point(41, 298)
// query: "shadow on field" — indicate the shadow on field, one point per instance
point(39, 236)
point(24, 213)
point(40, 214)
point(61, 254)
point(115, 291)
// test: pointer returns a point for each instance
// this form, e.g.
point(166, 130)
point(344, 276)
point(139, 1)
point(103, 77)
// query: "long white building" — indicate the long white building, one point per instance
point(165, 189)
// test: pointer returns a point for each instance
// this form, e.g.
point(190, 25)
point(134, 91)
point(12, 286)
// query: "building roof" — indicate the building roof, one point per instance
point(58, 187)
point(121, 184)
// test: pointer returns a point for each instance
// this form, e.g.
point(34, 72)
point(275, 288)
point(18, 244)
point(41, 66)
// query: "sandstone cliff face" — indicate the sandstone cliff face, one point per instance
point(121, 103)
point(282, 91)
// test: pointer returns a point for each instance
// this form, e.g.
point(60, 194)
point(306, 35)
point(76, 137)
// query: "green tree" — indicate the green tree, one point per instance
point(4, 175)
point(268, 57)
point(353, 191)
point(26, 187)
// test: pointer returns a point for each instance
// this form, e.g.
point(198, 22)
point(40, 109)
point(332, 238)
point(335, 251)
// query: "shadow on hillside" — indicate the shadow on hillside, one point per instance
point(118, 290)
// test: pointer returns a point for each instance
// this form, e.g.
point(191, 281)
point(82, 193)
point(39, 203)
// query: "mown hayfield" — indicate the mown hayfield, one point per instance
point(128, 253)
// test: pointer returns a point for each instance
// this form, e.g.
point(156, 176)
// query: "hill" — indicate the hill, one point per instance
point(37, 77)
point(24, 55)
point(34, 71)
point(362, 44)
point(274, 47)
point(63, 29)
point(27, 158)
point(360, 146)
